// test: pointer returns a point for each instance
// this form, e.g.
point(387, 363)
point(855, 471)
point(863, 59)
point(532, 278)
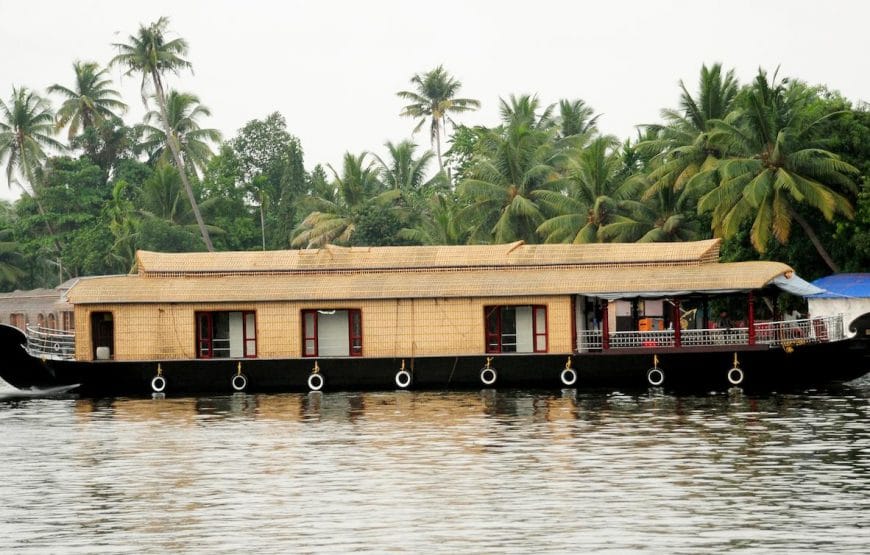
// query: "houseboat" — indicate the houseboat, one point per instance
point(665, 315)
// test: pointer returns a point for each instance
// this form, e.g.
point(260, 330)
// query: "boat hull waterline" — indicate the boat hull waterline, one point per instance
point(759, 367)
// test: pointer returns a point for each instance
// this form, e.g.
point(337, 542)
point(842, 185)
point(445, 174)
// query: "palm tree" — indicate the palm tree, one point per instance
point(183, 110)
point(441, 223)
point(26, 130)
point(335, 214)
point(682, 148)
point(599, 194)
point(514, 175)
point(403, 171)
point(772, 168)
point(433, 101)
point(89, 102)
point(665, 217)
point(576, 118)
point(150, 54)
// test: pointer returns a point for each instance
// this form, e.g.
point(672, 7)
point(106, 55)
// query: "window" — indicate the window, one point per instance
point(516, 329)
point(226, 334)
point(69, 322)
point(332, 333)
point(52, 321)
point(17, 319)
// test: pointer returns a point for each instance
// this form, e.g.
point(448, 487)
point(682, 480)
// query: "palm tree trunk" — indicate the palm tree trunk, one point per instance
point(814, 239)
point(262, 222)
point(176, 154)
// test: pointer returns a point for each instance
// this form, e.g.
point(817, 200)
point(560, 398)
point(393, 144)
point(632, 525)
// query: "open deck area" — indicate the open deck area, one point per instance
point(824, 329)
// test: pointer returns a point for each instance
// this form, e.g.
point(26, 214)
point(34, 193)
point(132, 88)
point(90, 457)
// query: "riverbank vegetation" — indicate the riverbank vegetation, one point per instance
point(776, 167)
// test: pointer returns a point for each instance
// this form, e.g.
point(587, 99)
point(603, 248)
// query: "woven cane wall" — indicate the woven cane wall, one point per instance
point(391, 328)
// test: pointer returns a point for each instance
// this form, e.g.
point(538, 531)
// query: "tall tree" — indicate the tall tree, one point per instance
point(335, 215)
point(576, 118)
point(271, 162)
point(681, 146)
point(514, 176)
point(152, 55)
point(89, 102)
point(183, 109)
point(26, 130)
point(433, 99)
point(773, 168)
point(666, 217)
point(402, 170)
point(599, 194)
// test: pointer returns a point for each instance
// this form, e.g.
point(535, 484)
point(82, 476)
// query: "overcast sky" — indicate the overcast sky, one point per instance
point(333, 68)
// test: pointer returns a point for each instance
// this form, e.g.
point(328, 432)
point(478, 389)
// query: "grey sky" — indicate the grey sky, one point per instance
point(333, 68)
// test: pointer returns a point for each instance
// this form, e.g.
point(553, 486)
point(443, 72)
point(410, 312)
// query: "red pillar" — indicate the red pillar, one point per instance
point(605, 326)
point(751, 318)
point(677, 314)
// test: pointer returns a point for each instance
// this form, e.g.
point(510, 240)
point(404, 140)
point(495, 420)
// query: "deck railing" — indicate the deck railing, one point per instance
point(824, 329)
point(51, 344)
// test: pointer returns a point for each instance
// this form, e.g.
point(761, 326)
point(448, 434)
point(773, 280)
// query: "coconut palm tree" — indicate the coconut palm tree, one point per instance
point(514, 175)
point(433, 99)
point(681, 147)
point(183, 110)
point(89, 102)
point(401, 170)
point(26, 130)
point(772, 168)
point(599, 194)
point(334, 215)
point(150, 54)
point(576, 118)
point(665, 217)
point(441, 223)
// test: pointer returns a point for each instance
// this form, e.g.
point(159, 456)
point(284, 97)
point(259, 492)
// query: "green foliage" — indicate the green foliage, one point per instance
point(375, 227)
point(90, 102)
point(182, 110)
point(771, 167)
point(433, 100)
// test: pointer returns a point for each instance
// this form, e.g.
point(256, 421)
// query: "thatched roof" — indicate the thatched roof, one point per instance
point(361, 259)
point(607, 279)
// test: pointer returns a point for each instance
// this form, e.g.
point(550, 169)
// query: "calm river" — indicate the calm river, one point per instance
point(486, 471)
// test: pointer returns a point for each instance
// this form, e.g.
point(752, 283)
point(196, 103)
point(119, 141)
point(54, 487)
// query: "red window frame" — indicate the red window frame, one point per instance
point(207, 340)
point(354, 331)
point(204, 341)
point(306, 336)
point(493, 337)
point(246, 336)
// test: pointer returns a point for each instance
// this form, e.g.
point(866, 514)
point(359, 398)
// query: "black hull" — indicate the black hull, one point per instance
point(683, 369)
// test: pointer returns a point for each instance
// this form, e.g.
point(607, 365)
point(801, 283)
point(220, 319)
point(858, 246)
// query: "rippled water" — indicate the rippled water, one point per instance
point(489, 471)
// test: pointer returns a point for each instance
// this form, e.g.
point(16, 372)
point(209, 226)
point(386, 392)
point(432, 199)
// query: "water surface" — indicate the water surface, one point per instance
point(488, 471)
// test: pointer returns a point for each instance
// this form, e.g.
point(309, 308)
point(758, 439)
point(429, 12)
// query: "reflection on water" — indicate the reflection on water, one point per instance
point(491, 471)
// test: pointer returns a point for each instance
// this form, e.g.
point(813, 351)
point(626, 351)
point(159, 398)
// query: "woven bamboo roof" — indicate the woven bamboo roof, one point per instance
point(472, 282)
point(361, 259)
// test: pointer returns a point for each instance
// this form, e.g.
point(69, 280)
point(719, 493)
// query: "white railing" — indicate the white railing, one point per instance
point(824, 329)
point(641, 339)
point(588, 340)
point(50, 343)
point(719, 336)
point(811, 330)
